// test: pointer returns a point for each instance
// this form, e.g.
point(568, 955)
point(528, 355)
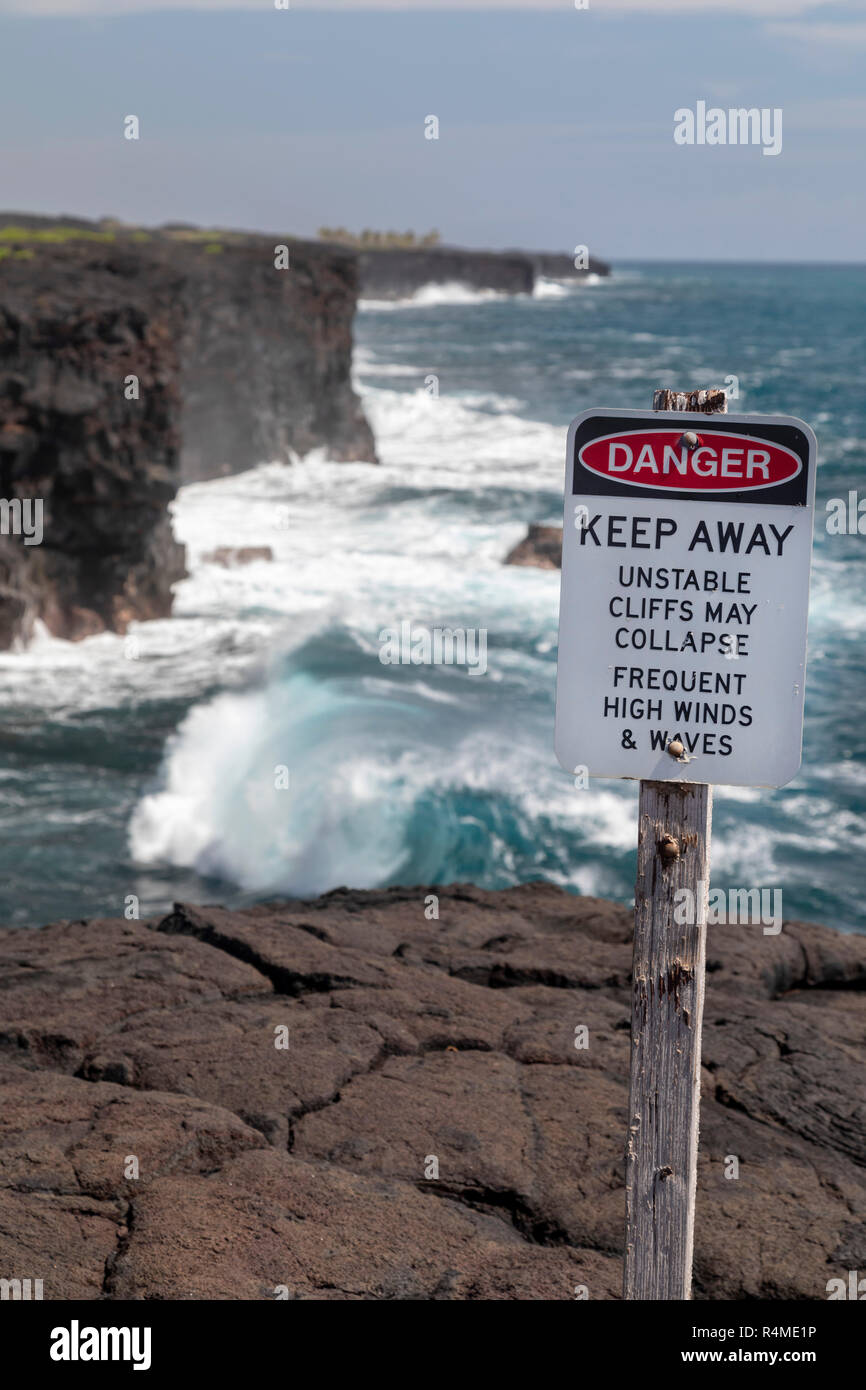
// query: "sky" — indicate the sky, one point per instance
point(555, 124)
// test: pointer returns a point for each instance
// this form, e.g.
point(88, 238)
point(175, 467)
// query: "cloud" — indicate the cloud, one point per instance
point(766, 9)
point(848, 34)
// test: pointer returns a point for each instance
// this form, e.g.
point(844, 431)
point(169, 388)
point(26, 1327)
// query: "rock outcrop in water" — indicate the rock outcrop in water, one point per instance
point(540, 547)
point(216, 1104)
point(398, 274)
point(131, 361)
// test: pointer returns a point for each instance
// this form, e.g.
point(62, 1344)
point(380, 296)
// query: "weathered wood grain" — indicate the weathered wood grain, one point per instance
point(667, 1012)
point(709, 400)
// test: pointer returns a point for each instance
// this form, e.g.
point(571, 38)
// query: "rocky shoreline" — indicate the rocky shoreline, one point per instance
point(351, 1098)
point(398, 274)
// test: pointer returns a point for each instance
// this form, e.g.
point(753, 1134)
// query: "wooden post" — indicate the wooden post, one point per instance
point(673, 853)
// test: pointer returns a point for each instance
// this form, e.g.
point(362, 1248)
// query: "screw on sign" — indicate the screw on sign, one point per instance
point(682, 659)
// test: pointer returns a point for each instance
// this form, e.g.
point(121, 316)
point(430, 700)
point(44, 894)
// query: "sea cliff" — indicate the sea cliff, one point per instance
point(132, 361)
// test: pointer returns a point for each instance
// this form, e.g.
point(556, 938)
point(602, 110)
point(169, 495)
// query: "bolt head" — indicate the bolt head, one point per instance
point(669, 848)
point(675, 748)
point(690, 440)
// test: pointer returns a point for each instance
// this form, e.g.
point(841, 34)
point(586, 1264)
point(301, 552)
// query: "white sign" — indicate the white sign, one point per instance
point(685, 590)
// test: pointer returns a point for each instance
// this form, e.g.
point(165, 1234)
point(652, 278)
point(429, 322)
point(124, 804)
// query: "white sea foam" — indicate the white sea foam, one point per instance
point(547, 288)
point(365, 362)
point(550, 287)
point(433, 295)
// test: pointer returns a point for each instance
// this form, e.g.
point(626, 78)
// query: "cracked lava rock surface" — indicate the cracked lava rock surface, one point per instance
point(154, 1045)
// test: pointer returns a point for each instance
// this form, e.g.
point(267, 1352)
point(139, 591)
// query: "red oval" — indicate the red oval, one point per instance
point(720, 463)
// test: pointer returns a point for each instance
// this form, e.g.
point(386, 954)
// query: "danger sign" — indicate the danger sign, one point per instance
point(709, 463)
point(685, 589)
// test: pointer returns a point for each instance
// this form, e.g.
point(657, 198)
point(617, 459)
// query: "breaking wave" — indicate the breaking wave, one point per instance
point(434, 294)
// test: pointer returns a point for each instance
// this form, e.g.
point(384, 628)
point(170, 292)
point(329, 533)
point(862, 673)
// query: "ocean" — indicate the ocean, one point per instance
point(255, 746)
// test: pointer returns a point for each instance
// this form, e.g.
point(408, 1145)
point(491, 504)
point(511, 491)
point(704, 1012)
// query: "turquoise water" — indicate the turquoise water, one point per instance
point(146, 767)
